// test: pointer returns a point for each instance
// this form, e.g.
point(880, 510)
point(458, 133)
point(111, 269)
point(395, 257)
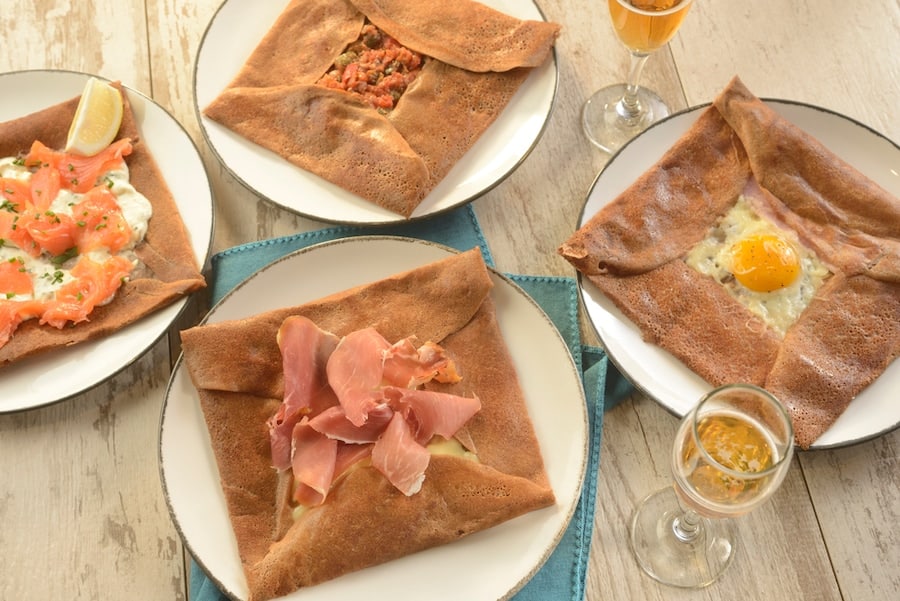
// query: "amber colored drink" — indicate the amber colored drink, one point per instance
point(729, 478)
point(646, 25)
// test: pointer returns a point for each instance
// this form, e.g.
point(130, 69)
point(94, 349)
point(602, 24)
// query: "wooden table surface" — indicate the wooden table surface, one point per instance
point(82, 514)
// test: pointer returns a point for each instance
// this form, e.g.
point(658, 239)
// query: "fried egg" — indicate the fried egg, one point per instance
point(762, 266)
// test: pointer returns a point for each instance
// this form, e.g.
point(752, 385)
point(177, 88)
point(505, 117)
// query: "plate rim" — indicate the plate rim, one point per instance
point(583, 282)
point(203, 261)
point(387, 219)
point(571, 365)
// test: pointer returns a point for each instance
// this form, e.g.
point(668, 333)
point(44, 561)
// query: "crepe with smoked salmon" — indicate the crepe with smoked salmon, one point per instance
point(381, 98)
point(441, 443)
point(639, 251)
point(160, 269)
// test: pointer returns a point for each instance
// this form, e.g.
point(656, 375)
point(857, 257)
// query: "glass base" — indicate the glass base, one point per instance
point(672, 560)
point(609, 129)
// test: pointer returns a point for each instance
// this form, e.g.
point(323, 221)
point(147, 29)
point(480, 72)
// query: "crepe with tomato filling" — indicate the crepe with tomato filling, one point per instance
point(475, 59)
point(167, 269)
point(237, 369)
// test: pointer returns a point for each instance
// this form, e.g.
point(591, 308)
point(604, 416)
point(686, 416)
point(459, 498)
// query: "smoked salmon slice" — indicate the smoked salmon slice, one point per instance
point(50, 233)
point(13, 313)
point(28, 223)
point(79, 173)
point(14, 280)
point(45, 186)
point(11, 232)
point(14, 192)
point(94, 284)
point(99, 222)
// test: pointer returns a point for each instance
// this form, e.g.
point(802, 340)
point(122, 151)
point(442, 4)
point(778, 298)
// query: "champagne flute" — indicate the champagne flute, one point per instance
point(615, 114)
point(731, 453)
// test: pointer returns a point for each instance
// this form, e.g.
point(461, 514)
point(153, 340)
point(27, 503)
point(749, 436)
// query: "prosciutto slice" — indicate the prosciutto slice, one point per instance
point(313, 462)
point(333, 423)
point(432, 412)
point(349, 398)
point(409, 367)
point(400, 458)
point(305, 349)
point(355, 370)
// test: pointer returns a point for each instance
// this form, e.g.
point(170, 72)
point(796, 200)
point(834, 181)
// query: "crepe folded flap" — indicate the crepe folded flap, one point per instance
point(633, 250)
point(168, 268)
point(236, 367)
point(477, 58)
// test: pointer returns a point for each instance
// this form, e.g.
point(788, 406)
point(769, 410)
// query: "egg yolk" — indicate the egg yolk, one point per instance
point(764, 262)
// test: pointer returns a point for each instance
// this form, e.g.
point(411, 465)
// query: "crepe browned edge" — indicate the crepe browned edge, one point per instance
point(393, 161)
point(168, 268)
point(365, 521)
point(633, 250)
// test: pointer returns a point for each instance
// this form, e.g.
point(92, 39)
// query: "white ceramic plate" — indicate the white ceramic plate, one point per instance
point(58, 375)
point(236, 29)
point(666, 379)
point(493, 563)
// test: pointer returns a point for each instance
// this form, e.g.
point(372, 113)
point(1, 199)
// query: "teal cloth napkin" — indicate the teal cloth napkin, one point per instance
point(562, 576)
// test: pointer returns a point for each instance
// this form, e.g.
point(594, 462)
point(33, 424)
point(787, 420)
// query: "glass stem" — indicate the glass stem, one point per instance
point(629, 108)
point(687, 526)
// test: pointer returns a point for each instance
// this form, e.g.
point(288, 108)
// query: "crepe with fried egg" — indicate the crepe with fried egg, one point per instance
point(392, 153)
point(845, 330)
point(364, 519)
point(166, 268)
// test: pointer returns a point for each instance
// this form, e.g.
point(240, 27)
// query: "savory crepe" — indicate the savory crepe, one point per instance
point(753, 253)
point(166, 267)
point(461, 63)
point(489, 472)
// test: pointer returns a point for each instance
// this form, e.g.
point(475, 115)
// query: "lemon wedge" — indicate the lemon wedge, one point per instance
point(97, 118)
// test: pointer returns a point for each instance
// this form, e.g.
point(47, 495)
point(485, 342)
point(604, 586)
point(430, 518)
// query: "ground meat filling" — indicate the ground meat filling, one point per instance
point(375, 67)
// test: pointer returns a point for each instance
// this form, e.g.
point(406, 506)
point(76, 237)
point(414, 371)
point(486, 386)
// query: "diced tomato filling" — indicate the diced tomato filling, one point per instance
point(375, 67)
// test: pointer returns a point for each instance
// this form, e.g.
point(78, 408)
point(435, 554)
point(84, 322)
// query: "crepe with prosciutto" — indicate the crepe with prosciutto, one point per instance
point(494, 474)
point(166, 266)
point(298, 94)
point(637, 251)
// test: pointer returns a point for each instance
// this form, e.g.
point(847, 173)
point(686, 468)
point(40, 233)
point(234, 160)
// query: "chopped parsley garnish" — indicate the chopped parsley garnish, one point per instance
point(64, 256)
point(55, 278)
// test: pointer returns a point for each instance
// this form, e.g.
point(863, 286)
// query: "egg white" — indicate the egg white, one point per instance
point(780, 308)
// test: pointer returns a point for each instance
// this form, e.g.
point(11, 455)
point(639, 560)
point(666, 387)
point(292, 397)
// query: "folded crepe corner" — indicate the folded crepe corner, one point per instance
point(478, 59)
point(236, 367)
